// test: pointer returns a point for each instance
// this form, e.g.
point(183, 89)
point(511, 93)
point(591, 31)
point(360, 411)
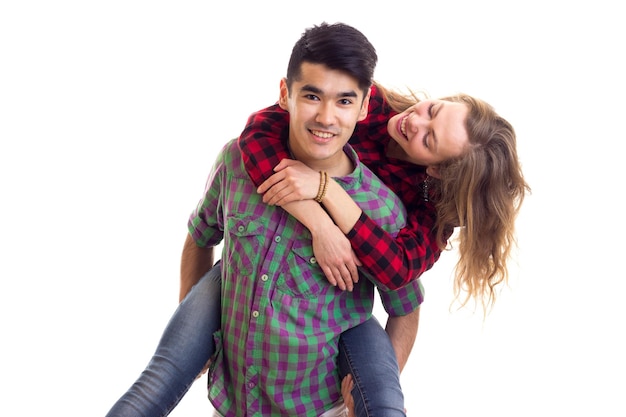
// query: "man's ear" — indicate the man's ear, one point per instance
point(284, 95)
point(365, 106)
point(433, 171)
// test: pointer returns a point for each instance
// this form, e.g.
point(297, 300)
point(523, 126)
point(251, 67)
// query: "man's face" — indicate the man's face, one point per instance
point(324, 106)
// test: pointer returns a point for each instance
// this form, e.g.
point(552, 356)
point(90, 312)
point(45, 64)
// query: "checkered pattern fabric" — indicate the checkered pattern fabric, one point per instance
point(393, 261)
point(281, 319)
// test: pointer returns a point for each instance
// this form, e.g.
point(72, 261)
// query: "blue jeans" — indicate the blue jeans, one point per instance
point(365, 351)
point(187, 344)
point(185, 347)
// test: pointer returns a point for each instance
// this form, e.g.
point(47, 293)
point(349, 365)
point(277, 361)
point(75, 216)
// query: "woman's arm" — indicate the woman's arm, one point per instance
point(332, 249)
point(392, 261)
point(263, 142)
point(294, 181)
point(263, 146)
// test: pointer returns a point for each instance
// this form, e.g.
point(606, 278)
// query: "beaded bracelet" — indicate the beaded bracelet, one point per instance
point(323, 186)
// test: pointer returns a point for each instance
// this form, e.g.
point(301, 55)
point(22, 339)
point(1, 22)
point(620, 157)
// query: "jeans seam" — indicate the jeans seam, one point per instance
point(357, 380)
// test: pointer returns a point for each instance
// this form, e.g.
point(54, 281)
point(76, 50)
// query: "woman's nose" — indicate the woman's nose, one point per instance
point(417, 123)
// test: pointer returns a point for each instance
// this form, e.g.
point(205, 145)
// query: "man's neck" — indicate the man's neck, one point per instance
point(338, 166)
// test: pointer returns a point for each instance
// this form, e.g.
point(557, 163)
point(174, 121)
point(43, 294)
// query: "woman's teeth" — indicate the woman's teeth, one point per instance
point(403, 126)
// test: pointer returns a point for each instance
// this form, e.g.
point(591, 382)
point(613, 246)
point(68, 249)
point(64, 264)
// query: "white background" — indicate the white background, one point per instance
point(111, 114)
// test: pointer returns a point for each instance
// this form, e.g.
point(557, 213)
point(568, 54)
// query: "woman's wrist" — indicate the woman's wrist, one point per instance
point(321, 192)
point(320, 225)
point(340, 206)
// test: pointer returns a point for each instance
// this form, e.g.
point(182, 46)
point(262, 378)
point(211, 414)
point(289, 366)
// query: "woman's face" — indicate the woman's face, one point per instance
point(431, 131)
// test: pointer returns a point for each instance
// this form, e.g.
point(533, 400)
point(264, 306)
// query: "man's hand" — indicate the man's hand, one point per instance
point(205, 369)
point(346, 392)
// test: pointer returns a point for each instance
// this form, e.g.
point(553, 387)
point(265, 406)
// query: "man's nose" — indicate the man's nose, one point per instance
point(326, 114)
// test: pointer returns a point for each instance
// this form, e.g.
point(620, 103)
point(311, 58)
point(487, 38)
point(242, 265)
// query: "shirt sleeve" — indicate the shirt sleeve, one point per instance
point(404, 300)
point(205, 225)
point(261, 142)
point(396, 261)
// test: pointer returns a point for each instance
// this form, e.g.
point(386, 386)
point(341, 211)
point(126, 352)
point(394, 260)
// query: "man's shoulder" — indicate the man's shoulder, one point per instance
point(368, 181)
point(375, 185)
point(378, 201)
point(230, 157)
point(231, 147)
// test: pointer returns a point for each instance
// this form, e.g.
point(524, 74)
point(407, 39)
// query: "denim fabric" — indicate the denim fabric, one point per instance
point(366, 352)
point(185, 347)
point(187, 344)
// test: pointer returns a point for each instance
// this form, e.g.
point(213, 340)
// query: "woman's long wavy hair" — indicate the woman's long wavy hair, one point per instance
point(481, 193)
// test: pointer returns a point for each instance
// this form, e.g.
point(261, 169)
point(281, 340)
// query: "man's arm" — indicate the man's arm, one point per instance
point(195, 262)
point(402, 331)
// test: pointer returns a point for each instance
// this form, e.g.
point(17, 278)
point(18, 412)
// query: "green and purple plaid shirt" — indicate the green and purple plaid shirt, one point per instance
point(281, 319)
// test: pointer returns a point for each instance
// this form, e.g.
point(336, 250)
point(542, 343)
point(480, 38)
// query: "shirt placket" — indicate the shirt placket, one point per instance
point(267, 274)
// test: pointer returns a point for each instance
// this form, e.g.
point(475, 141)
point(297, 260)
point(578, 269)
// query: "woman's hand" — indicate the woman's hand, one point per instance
point(293, 181)
point(335, 256)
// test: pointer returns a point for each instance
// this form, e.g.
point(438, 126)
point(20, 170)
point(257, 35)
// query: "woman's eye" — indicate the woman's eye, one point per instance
point(430, 110)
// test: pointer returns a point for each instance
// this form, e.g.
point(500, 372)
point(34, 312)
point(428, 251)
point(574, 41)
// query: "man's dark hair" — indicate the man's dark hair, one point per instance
point(338, 46)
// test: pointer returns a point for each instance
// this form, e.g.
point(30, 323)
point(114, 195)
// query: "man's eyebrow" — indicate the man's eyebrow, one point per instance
point(315, 90)
point(350, 93)
point(311, 89)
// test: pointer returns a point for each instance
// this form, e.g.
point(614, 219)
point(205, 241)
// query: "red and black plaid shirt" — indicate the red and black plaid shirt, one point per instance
point(393, 261)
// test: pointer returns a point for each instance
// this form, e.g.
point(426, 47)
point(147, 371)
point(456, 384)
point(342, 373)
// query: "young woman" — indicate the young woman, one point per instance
point(453, 163)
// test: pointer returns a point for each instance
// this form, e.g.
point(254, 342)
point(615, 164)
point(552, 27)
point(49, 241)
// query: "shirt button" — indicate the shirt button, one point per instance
point(241, 228)
point(264, 277)
point(255, 314)
point(277, 239)
point(250, 385)
point(313, 260)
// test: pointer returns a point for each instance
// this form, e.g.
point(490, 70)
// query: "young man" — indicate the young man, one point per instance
point(276, 351)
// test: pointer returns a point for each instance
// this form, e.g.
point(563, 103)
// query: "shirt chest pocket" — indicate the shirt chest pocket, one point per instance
point(247, 236)
point(302, 277)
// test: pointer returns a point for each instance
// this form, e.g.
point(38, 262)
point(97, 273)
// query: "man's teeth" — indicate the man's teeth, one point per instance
point(323, 135)
point(403, 126)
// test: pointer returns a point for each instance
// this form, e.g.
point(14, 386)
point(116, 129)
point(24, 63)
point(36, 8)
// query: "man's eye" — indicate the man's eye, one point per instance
point(346, 102)
point(311, 97)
